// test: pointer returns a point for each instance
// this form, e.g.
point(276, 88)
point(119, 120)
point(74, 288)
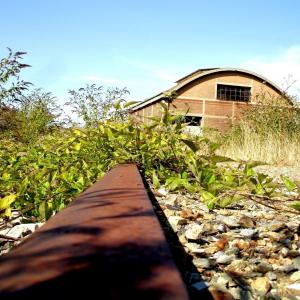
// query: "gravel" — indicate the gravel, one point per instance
point(245, 252)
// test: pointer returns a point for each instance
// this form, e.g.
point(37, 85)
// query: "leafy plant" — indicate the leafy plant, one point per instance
point(94, 105)
point(268, 133)
point(47, 174)
point(11, 86)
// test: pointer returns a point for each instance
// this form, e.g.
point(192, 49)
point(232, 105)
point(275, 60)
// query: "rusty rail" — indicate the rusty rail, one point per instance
point(107, 244)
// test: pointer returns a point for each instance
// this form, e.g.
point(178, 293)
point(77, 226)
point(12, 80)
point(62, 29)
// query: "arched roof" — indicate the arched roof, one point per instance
point(201, 73)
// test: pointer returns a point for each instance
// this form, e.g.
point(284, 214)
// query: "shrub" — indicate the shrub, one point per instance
point(269, 133)
point(11, 86)
point(47, 175)
point(93, 104)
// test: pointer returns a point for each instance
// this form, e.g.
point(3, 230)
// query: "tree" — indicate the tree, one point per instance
point(38, 114)
point(92, 104)
point(11, 86)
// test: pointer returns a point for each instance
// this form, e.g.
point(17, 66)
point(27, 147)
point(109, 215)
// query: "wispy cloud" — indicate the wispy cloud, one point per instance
point(282, 70)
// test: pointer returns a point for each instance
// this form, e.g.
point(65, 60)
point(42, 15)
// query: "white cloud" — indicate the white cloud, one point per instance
point(282, 70)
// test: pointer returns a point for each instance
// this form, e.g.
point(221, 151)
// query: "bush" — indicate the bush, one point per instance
point(268, 133)
point(93, 104)
point(47, 175)
point(11, 86)
point(37, 114)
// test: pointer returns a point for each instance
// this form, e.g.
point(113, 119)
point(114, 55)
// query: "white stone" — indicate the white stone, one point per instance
point(230, 221)
point(172, 199)
point(221, 228)
point(222, 258)
point(261, 285)
point(19, 230)
point(223, 279)
point(284, 251)
point(248, 232)
point(235, 292)
point(193, 247)
point(271, 276)
point(162, 191)
point(294, 289)
point(295, 276)
point(169, 212)
point(193, 231)
point(203, 263)
point(176, 222)
point(296, 262)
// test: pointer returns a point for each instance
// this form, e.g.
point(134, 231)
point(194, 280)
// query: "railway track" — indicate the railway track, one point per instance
point(107, 244)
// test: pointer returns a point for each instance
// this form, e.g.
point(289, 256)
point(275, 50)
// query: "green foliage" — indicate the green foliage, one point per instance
point(289, 184)
point(269, 133)
point(47, 174)
point(36, 115)
point(93, 105)
point(11, 86)
point(296, 205)
point(5, 204)
point(273, 118)
point(23, 116)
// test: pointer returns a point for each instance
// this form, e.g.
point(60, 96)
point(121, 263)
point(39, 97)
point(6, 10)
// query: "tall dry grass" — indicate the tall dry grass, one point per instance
point(267, 133)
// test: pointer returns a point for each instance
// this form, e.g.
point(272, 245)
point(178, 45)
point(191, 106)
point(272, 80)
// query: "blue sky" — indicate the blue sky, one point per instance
point(147, 45)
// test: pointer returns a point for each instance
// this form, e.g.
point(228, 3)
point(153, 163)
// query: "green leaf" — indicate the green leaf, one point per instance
point(172, 183)
point(24, 185)
point(289, 184)
point(77, 132)
point(195, 147)
point(255, 163)
point(295, 205)
point(110, 134)
point(77, 146)
point(46, 209)
point(209, 199)
point(262, 177)
point(5, 176)
point(155, 180)
point(5, 203)
point(213, 146)
point(229, 178)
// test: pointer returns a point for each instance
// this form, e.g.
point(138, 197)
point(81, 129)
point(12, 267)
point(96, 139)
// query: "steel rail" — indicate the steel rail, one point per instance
point(107, 244)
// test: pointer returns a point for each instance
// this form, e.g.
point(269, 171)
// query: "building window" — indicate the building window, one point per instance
point(190, 120)
point(233, 92)
point(193, 120)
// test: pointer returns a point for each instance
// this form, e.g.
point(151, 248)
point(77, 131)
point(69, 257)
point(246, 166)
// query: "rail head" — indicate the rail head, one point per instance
point(107, 244)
